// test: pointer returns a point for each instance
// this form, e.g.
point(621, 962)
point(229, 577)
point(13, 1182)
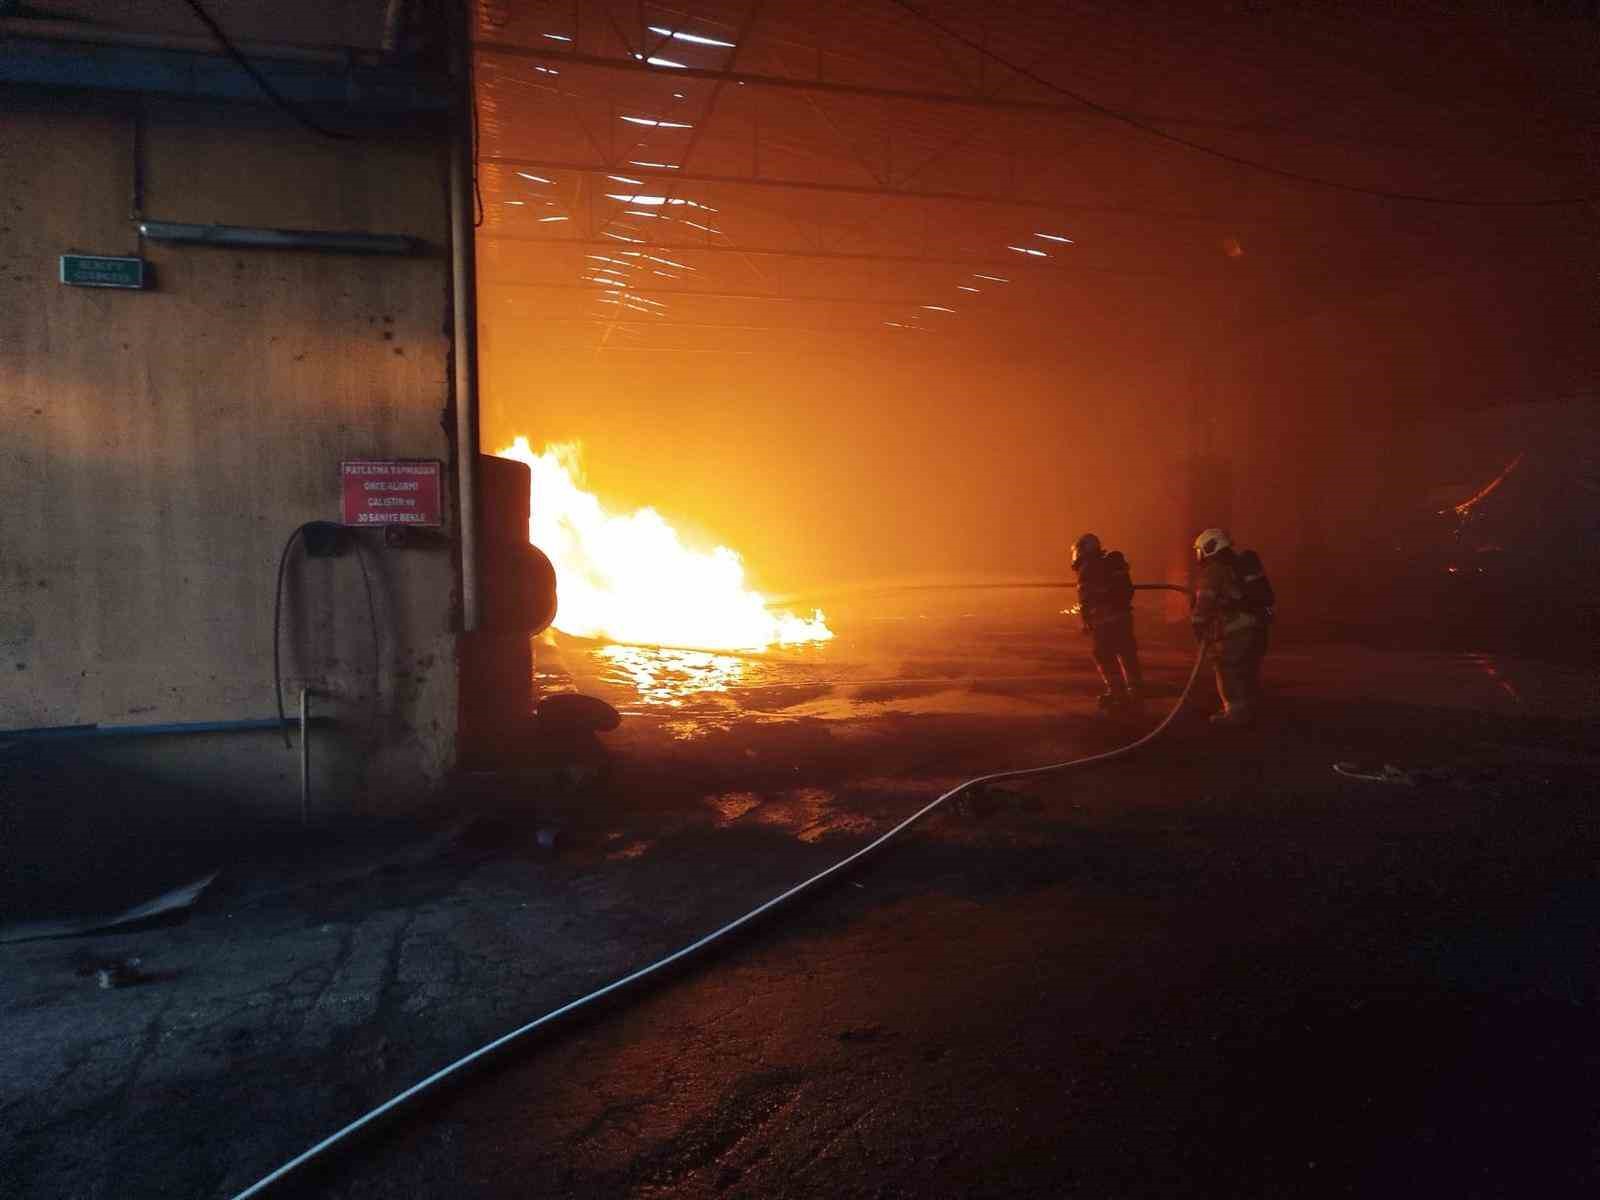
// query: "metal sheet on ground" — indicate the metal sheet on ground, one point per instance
point(168, 902)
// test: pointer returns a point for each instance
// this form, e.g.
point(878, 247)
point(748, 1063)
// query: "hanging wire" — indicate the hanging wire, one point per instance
point(1225, 156)
point(261, 81)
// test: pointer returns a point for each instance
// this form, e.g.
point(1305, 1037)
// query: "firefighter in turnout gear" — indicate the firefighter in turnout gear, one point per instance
point(1105, 602)
point(1233, 608)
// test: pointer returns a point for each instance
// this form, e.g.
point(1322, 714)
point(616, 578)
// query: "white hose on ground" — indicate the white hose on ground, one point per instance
point(416, 1089)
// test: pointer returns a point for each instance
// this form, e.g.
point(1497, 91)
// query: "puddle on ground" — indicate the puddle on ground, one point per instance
point(624, 848)
point(808, 814)
point(665, 678)
point(963, 667)
point(848, 704)
point(730, 806)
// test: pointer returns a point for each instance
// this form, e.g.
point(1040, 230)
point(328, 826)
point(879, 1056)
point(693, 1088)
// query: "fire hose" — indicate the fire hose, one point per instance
point(686, 952)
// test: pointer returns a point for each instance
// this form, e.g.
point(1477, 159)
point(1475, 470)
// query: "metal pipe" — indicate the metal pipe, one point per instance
point(64, 732)
point(463, 284)
point(83, 31)
point(377, 92)
point(305, 756)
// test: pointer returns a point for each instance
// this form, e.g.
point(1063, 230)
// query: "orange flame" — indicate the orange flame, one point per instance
point(629, 577)
point(1464, 509)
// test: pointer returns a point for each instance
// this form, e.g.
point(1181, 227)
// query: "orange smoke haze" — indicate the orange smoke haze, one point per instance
point(834, 473)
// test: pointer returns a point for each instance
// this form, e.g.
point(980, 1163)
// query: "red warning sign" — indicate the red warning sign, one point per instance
point(393, 492)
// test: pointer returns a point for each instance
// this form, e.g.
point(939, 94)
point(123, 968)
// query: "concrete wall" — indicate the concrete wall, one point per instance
point(162, 445)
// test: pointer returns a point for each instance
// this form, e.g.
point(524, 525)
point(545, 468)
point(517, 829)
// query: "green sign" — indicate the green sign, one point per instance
point(96, 270)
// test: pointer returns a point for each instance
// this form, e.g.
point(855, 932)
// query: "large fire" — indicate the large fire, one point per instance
point(630, 578)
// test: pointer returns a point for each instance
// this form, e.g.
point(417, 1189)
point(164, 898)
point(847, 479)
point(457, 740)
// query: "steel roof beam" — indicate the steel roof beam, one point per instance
point(1228, 220)
point(1011, 264)
point(796, 83)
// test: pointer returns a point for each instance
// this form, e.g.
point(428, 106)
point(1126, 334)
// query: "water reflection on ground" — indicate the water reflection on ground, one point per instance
point(953, 662)
point(662, 677)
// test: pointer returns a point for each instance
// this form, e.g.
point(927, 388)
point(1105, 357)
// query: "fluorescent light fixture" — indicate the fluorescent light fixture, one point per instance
point(1026, 250)
point(621, 238)
point(519, 203)
point(277, 239)
point(690, 37)
point(626, 199)
point(964, 288)
point(660, 62)
point(625, 179)
point(937, 308)
point(667, 262)
point(653, 123)
point(642, 300)
point(659, 166)
point(1056, 237)
point(697, 225)
point(542, 220)
point(992, 278)
point(547, 71)
point(664, 274)
point(556, 37)
point(535, 178)
point(639, 212)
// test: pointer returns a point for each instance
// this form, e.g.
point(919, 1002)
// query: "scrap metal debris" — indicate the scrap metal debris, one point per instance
point(163, 905)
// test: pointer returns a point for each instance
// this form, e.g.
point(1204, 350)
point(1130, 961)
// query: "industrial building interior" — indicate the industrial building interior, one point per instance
point(883, 291)
point(814, 848)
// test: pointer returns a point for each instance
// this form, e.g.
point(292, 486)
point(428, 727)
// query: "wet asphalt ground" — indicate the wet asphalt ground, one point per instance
point(1218, 968)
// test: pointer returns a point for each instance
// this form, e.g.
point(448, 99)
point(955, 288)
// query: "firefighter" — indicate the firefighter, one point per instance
point(1105, 602)
point(1233, 607)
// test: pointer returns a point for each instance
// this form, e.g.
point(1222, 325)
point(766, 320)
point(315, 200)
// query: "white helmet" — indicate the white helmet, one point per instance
point(1209, 543)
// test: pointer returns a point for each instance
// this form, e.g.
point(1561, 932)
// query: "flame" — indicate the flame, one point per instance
point(1464, 509)
point(629, 578)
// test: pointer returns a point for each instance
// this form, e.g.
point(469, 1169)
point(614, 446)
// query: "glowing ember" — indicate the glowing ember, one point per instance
point(629, 578)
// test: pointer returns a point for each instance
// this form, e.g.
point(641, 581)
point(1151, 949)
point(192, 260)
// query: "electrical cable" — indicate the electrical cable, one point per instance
point(1225, 156)
point(261, 81)
point(416, 1089)
point(277, 620)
